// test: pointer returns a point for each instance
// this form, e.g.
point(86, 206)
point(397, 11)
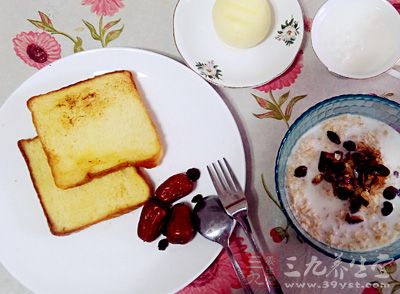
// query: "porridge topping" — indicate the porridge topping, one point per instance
point(342, 181)
point(390, 192)
point(387, 208)
point(349, 145)
point(353, 174)
point(333, 137)
point(300, 172)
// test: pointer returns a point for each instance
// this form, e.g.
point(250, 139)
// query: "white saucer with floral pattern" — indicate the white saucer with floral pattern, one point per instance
point(223, 65)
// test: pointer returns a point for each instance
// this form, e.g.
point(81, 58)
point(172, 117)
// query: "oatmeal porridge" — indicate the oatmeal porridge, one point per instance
point(342, 182)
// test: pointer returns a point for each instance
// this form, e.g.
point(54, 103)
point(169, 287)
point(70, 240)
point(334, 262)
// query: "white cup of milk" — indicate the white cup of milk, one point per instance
point(357, 38)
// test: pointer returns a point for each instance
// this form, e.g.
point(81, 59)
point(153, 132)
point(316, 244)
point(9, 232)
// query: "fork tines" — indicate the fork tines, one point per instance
point(223, 177)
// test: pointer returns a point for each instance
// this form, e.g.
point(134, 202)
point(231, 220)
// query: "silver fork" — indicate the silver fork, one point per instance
point(235, 203)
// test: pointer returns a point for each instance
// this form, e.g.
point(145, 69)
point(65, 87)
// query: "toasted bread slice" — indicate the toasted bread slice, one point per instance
point(94, 127)
point(70, 210)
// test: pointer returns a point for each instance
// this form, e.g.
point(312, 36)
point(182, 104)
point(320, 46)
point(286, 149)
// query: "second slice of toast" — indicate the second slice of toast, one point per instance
point(70, 210)
point(94, 127)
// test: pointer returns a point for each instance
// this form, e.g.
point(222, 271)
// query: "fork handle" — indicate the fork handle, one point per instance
point(271, 282)
point(239, 273)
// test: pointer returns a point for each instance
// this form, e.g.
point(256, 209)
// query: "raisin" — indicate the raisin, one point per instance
point(343, 193)
point(380, 170)
point(163, 244)
point(355, 205)
point(333, 137)
point(387, 208)
point(349, 145)
point(338, 167)
point(197, 198)
point(356, 202)
point(390, 192)
point(193, 174)
point(300, 172)
point(324, 161)
point(358, 157)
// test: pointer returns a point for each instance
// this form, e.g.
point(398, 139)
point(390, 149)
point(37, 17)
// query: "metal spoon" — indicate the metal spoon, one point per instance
point(216, 225)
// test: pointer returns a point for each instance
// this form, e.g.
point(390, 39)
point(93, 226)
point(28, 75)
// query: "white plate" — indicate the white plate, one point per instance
point(108, 257)
point(202, 49)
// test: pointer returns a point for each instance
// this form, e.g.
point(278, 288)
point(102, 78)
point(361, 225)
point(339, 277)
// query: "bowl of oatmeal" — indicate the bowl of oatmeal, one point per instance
point(337, 177)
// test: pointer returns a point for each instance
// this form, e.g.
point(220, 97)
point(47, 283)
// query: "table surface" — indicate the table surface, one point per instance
point(148, 25)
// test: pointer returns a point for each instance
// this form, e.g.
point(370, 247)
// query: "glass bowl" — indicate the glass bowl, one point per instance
point(381, 109)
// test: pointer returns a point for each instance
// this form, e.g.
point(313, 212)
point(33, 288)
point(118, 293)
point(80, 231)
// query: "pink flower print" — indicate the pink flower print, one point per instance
point(104, 7)
point(37, 49)
point(370, 290)
point(396, 4)
point(287, 78)
point(307, 24)
point(220, 277)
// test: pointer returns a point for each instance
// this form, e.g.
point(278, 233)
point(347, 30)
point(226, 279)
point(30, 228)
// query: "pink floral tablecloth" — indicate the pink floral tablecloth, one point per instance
point(36, 33)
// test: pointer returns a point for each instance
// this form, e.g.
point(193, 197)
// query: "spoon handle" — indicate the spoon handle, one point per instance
point(247, 289)
point(271, 282)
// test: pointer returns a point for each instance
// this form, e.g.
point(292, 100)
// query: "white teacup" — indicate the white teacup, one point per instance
point(357, 38)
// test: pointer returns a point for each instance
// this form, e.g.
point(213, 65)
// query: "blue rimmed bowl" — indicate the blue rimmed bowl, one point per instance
point(381, 109)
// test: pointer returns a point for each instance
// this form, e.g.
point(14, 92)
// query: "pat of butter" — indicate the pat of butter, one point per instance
point(242, 23)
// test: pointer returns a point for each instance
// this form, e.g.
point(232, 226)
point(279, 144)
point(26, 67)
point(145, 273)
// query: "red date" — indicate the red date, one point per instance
point(152, 220)
point(180, 229)
point(177, 186)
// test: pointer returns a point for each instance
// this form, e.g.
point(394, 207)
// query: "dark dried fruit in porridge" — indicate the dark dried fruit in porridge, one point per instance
point(355, 205)
point(396, 173)
point(353, 219)
point(347, 179)
point(323, 161)
point(343, 193)
point(379, 170)
point(356, 202)
point(326, 160)
point(300, 171)
point(387, 208)
point(354, 174)
point(390, 192)
point(358, 157)
point(338, 167)
point(364, 202)
point(349, 145)
point(333, 137)
point(329, 177)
